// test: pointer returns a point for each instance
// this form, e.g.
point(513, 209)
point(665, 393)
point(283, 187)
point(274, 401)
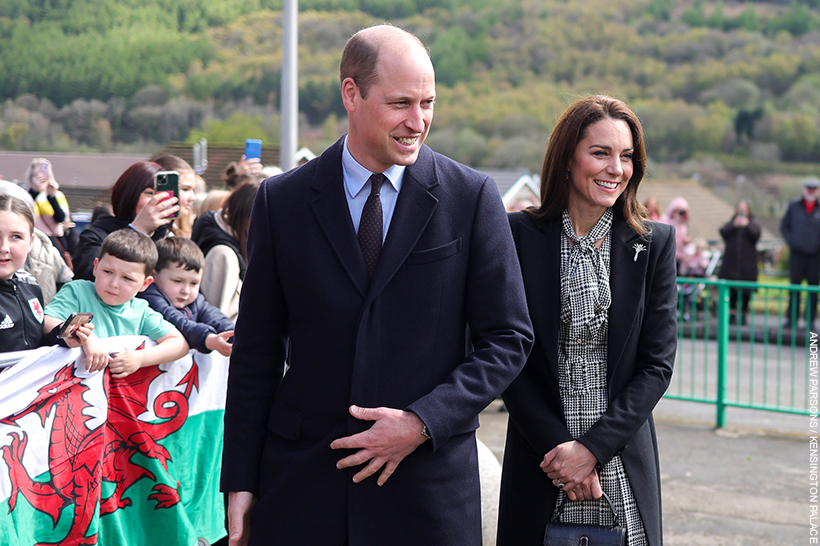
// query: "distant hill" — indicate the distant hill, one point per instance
point(741, 79)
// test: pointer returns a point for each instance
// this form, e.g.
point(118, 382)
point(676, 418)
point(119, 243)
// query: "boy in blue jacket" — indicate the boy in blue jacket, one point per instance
point(175, 294)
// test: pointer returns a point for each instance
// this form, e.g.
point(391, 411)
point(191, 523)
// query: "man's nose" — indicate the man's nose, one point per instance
point(415, 119)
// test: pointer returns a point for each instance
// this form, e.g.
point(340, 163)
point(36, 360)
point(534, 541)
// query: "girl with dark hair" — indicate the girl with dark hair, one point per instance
point(135, 204)
point(222, 235)
point(600, 283)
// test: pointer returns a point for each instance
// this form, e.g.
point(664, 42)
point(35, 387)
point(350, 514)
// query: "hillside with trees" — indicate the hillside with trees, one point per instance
point(735, 80)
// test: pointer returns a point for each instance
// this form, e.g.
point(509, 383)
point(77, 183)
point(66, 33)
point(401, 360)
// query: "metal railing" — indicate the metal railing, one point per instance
point(746, 360)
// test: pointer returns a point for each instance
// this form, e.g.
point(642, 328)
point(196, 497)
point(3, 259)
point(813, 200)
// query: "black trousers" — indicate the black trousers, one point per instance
point(740, 296)
point(803, 266)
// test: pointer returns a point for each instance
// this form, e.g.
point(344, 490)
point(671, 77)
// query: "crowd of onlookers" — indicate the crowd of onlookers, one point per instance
point(800, 228)
point(201, 239)
point(151, 263)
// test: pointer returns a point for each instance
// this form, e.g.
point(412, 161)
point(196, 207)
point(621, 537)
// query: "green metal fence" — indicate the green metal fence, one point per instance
point(752, 360)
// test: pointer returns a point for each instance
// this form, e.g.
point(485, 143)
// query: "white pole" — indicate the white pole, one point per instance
point(290, 86)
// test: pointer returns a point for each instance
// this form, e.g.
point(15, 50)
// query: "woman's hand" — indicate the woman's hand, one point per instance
point(252, 166)
point(569, 463)
point(589, 488)
point(52, 187)
point(156, 212)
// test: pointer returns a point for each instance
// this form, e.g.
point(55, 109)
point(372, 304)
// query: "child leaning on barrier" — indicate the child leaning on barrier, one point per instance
point(175, 294)
point(122, 270)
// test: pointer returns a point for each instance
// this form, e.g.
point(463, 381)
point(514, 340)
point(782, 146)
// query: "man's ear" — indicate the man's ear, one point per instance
point(148, 280)
point(350, 92)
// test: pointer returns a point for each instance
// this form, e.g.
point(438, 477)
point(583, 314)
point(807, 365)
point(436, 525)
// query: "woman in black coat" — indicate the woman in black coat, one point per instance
point(136, 204)
point(600, 284)
point(740, 234)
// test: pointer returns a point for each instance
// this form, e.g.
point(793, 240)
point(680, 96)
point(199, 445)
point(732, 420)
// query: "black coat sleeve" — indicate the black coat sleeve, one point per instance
point(655, 356)
point(87, 250)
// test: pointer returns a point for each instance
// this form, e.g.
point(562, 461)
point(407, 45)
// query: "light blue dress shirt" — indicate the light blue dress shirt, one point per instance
point(357, 189)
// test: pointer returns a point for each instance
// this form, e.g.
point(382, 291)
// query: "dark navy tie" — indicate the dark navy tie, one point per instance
point(370, 227)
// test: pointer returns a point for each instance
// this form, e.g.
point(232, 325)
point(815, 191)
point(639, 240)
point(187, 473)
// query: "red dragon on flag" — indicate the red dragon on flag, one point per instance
point(81, 458)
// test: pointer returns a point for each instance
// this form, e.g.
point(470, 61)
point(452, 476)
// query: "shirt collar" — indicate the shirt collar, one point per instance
point(356, 176)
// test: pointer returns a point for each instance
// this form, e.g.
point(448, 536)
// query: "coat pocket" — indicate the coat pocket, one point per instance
point(285, 422)
point(429, 255)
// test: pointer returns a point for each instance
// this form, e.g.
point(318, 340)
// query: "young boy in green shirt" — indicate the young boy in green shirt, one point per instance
point(122, 270)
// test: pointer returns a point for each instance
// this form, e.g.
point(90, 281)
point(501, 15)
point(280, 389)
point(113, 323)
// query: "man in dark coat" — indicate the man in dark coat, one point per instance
point(800, 228)
point(383, 378)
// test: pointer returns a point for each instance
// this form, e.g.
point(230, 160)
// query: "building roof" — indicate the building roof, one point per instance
point(72, 170)
point(219, 157)
point(707, 212)
point(505, 179)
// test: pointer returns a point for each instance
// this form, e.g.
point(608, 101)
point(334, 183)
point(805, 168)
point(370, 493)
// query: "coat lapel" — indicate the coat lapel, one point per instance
point(541, 270)
point(414, 208)
point(627, 277)
point(333, 215)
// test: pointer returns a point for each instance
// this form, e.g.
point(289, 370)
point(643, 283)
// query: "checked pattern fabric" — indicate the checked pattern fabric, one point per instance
point(582, 362)
point(372, 224)
point(587, 294)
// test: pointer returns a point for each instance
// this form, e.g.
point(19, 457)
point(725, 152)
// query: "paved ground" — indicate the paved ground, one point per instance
point(745, 485)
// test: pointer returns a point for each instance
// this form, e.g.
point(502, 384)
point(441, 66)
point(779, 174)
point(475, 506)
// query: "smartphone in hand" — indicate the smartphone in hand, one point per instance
point(168, 182)
point(74, 321)
point(253, 149)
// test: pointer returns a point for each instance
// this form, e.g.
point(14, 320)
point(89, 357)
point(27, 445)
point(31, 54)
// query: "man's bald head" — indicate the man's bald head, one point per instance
point(360, 57)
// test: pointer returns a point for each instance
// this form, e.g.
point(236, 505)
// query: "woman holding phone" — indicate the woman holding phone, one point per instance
point(183, 224)
point(135, 204)
point(51, 213)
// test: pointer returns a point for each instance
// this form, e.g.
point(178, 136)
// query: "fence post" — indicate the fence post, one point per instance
point(723, 350)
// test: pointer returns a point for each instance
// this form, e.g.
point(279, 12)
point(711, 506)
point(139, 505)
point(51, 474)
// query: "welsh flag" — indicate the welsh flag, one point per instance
point(87, 459)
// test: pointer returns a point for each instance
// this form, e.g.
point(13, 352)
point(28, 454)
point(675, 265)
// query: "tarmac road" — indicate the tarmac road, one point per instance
point(745, 485)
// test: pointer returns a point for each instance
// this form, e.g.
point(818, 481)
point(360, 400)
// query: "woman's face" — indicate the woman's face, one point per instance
point(145, 196)
point(601, 166)
point(187, 193)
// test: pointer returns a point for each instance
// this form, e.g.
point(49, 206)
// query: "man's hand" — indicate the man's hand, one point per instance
point(569, 463)
point(240, 504)
point(395, 434)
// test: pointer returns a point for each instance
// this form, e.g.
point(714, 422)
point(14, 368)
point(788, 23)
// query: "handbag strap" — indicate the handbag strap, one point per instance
point(616, 520)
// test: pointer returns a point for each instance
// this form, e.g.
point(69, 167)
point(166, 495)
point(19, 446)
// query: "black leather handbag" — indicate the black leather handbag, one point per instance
point(559, 533)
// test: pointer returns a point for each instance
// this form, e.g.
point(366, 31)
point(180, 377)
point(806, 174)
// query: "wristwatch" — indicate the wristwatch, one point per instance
point(424, 431)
